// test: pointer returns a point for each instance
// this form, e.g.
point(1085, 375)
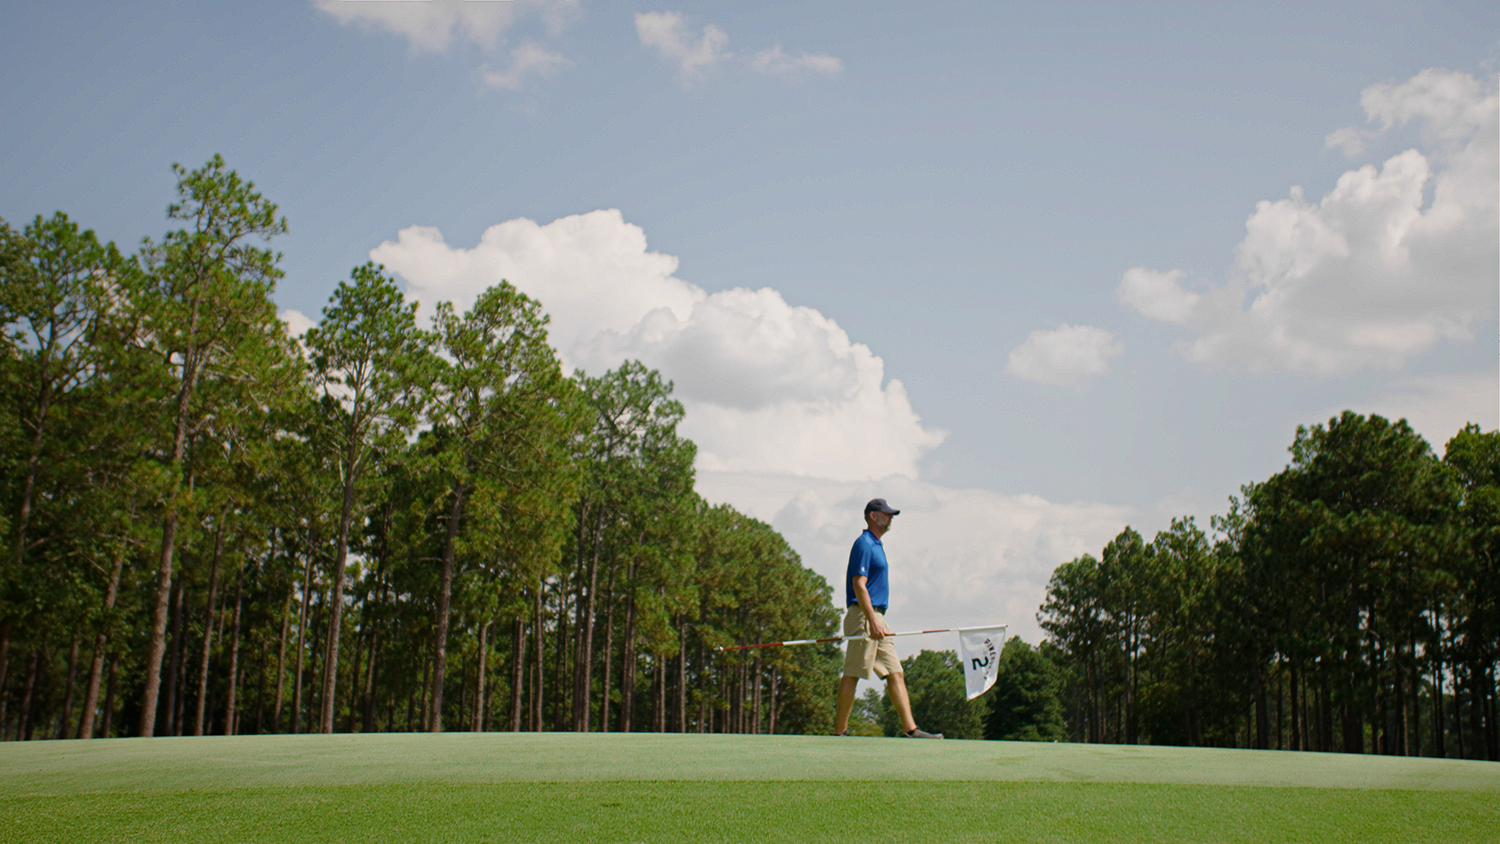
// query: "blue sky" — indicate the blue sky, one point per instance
point(1004, 265)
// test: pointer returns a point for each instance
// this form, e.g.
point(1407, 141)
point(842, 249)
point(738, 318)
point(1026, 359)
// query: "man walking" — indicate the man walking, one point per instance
point(867, 594)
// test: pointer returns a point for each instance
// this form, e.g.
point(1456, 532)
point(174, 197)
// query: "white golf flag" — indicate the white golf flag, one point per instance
point(979, 650)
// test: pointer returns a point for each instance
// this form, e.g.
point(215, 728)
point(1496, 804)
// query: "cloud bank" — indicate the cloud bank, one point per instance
point(1392, 261)
point(768, 386)
point(1065, 355)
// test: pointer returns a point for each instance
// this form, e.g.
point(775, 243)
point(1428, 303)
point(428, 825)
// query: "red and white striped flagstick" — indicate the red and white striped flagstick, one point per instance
point(851, 638)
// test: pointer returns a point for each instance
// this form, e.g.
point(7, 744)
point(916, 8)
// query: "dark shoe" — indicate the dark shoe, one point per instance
point(921, 734)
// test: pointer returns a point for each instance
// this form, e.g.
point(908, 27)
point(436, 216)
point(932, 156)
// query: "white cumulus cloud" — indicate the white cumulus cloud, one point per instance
point(774, 62)
point(433, 25)
point(693, 53)
point(768, 386)
point(1067, 354)
point(525, 60)
point(1392, 261)
point(1158, 295)
point(297, 322)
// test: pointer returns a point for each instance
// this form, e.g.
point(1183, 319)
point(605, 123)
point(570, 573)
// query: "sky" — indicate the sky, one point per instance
point(1031, 272)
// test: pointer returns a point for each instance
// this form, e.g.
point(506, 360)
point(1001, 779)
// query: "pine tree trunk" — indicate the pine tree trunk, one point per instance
point(1488, 702)
point(356, 665)
point(445, 596)
point(702, 674)
point(1262, 722)
point(1439, 740)
point(28, 697)
point(1458, 713)
point(231, 713)
point(517, 674)
point(658, 695)
point(1398, 746)
point(316, 657)
point(109, 698)
point(775, 677)
point(1294, 723)
point(463, 694)
point(157, 647)
point(96, 667)
point(301, 642)
point(680, 715)
point(260, 685)
point(584, 668)
point(67, 711)
point(560, 650)
point(4, 672)
point(286, 614)
point(368, 724)
point(538, 673)
point(627, 666)
point(608, 655)
point(755, 696)
point(208, 621)
point(176, 694)
point(336, 605)
point(476, 725)
point(90, 690)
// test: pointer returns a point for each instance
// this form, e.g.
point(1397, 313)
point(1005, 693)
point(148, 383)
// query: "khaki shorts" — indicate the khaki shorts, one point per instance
point(867, 655)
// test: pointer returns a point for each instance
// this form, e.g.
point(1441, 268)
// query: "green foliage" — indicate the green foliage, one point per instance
point(1347, 605)
point(1025, 703)
point(381, 528)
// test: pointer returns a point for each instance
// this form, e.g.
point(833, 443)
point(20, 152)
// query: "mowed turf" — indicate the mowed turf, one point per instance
point(593, 787)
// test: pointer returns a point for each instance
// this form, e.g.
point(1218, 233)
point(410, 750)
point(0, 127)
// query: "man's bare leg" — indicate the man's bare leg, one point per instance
point(895, 688)
point(847, 686)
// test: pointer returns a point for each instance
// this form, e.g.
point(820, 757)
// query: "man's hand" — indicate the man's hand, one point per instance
point(878, 630)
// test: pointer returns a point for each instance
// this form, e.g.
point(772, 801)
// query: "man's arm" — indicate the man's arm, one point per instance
point(878, 630)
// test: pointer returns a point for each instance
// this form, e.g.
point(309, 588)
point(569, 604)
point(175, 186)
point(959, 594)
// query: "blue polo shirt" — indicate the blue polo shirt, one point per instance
point(867, 560)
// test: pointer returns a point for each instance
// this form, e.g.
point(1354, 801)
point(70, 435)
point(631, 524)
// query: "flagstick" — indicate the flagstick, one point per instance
point(852, 638)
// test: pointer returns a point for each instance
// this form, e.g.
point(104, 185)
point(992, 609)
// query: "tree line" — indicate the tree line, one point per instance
point(213, 527)
point(1347, 604)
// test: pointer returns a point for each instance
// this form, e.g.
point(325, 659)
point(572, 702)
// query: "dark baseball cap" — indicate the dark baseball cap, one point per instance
point(880, 505)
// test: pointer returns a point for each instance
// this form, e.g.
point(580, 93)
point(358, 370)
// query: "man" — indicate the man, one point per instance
point(867, 594)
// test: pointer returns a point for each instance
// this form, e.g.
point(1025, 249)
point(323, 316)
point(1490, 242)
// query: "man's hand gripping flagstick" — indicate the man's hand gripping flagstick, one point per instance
point(978, 649)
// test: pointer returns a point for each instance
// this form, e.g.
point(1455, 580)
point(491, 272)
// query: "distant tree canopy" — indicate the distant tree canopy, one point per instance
point(1026, 701)
point(211, 527)
point(1348, 604)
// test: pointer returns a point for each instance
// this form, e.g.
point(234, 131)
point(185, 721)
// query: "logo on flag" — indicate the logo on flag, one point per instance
point(979, 650)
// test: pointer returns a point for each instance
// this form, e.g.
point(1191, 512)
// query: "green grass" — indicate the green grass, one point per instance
point(551, 787)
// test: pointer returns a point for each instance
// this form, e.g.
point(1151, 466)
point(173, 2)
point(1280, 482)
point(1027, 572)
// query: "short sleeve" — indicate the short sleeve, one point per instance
point(859, 560)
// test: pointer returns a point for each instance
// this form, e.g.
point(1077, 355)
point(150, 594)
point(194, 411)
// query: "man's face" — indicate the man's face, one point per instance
point(880, 520)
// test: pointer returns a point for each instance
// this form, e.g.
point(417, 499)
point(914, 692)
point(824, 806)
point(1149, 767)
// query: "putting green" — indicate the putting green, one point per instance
point(647, 787)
